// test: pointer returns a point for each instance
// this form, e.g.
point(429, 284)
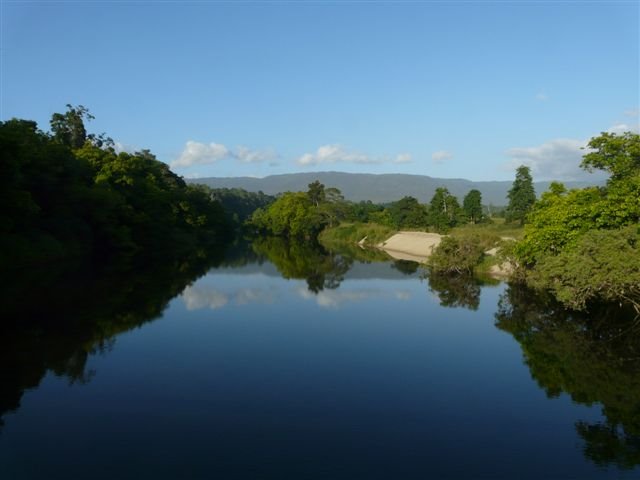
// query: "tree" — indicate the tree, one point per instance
point(444, 210)
point(472, 206)
point(63, 196)
point(316, 193)
point(604, 265)
point(334, 208)
point(291, 215)
point(68, 128)
point(617, 155)
point(521, 196)
point(407, 213)
point(582, 244)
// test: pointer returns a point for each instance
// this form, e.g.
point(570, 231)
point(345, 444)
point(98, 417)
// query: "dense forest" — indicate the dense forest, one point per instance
point(69, 194)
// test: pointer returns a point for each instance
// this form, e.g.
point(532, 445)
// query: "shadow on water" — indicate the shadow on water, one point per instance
point(594, 358)
point(53, 319)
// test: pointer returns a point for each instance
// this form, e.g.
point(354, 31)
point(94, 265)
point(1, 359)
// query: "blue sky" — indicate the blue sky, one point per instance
point(446, 89)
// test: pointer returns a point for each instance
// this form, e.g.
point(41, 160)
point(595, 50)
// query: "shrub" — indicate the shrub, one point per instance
point(456, 255)
point(604, 265)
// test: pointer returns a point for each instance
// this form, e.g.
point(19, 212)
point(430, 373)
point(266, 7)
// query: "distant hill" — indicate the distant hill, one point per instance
point(381, 188)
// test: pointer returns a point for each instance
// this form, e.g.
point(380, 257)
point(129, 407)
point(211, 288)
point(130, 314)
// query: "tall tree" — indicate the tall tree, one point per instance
point(316, 193)
point(522, 196)
point(472, 206)
point(444, 210)
point(68, 128)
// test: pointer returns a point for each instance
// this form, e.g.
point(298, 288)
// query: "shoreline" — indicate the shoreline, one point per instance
point(414, 246)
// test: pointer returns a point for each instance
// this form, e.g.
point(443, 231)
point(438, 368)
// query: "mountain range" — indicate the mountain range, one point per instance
point(379, 188)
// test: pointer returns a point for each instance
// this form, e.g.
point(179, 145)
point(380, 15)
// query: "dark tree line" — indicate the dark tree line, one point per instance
point(70, 194)
point(305, 214)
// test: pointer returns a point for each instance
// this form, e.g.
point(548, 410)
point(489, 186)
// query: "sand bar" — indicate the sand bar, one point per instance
point(415, 246)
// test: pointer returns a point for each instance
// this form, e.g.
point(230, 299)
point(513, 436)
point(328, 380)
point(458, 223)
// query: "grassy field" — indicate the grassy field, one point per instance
point(498, 227)
point(352, 233)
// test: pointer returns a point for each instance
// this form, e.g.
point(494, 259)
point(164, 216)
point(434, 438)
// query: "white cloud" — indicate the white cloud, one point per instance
point(560, 159)
point(196, 153)
point(247, 155)
point(403, 158)
point(123, 147)
point(441, 156)
point(632, 112)
point(542, 97)
point(557, 159)
point(620, 128)
point(334, 154)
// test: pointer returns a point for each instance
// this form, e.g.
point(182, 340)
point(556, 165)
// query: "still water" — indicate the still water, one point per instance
point(284, 361)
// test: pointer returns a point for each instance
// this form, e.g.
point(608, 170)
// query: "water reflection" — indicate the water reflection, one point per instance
point(69, 315)
point(336, 299)
point(204, 296)
point(66, 318)
point(594, 358)
point(319, 267)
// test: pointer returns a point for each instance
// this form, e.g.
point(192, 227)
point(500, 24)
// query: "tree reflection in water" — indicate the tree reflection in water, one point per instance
point(72, 313)
point(65, 318)
point(319, 267)
point(455, 290)
point(594, 358)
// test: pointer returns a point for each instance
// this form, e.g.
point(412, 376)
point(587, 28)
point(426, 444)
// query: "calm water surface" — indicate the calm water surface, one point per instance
point(295, 363)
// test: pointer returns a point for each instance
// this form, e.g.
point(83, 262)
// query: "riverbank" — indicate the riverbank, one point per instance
point(414, 246)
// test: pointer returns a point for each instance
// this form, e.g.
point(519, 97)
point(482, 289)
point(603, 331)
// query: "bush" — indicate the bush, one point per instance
point(456, 255)
point(604, 265)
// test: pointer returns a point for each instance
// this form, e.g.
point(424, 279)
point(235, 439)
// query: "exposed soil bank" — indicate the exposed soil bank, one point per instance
point(415, 246)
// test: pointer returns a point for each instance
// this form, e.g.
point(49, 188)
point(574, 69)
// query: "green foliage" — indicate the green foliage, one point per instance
point(291, 215)
point(581, 244)
point(472, 206)
point(239, 204)
point(301, 214)
point(63, 197)
point(619, 155)
point(362, 211)
point(316, 193)
point(407, 213)
point(352, 233)
point(454, 255)
point(444, 211)
point(521, 196)
point(68, 128)
point(604, 265)
point(496, 228)
point(557, 220)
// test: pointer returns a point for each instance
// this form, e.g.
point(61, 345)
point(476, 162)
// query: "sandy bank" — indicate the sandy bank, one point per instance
point(415, 246)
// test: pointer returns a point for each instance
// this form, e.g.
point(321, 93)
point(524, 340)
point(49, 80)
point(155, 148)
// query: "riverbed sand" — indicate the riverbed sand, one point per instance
point(415, 246)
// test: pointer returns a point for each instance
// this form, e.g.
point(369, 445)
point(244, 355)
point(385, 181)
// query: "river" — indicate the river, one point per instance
point(285, 361)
